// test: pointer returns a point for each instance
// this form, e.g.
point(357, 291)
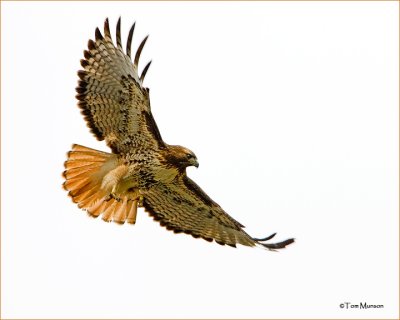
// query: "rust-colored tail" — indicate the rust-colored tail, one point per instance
point(85, 170)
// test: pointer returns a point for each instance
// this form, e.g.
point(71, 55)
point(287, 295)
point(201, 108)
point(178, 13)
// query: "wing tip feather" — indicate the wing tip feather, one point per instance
point(118, 33)
point(98, 35)
point(144, 72)
point(129, 40)
point(107, 32)
point(84, 63)
point(139, 51)
point(278, 245)
point(91, 44)
point(82, 74)
point(87, 54)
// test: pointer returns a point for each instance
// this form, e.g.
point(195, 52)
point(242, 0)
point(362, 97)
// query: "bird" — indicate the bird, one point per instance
point(142, 170)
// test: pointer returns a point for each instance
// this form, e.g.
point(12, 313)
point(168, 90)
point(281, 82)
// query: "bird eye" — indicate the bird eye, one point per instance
point(189, 156)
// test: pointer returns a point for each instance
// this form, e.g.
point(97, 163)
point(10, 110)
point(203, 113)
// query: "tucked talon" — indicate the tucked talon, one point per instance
point(140, 201)
point(112, 196)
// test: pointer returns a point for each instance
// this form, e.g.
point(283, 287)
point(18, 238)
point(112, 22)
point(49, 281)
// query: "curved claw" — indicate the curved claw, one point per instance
point(112, 195)
point(140, 201)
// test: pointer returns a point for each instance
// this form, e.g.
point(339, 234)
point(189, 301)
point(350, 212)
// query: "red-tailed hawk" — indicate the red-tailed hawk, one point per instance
point(142, 170)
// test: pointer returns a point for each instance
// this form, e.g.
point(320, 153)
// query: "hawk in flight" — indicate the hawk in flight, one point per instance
point(142, 170)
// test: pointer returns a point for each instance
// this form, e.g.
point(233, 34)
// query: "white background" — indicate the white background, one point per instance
point(292, 110)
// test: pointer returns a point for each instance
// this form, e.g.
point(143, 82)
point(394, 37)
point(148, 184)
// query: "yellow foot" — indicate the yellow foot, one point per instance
point(112, 196)
point(140, 201)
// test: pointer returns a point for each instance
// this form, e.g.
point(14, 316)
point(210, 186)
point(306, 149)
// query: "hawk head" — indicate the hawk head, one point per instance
point(180, 157)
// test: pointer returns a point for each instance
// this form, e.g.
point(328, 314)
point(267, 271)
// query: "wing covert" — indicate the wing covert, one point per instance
point(111, 94)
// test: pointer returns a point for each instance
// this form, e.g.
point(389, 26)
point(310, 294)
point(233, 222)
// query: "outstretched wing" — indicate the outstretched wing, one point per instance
point(183, 206)
point(111, 95)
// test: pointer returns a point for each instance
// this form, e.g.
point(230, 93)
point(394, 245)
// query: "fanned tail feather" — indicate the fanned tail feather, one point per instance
point(85, 170)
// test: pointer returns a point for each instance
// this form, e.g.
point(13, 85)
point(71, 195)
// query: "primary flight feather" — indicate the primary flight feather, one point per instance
point(142, 170)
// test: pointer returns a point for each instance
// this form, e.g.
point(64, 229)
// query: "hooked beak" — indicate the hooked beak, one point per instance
point(196, 163)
